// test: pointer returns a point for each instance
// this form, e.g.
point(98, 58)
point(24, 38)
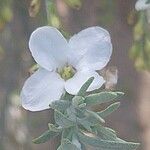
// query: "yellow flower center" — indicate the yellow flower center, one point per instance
point(66, 72)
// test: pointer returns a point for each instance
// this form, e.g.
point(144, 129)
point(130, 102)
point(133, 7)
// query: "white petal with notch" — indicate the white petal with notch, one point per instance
point(41, 89)
point(73, 85)
point(48, 47)
point(93, 48)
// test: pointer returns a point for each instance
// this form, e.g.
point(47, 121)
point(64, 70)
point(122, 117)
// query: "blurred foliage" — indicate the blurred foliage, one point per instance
point(5, 12)
point(52, 16)
point(2, 53)
point(107, 9)
point(132, 17)
point(74, 3)
point(148, 1)
point(140, 50)
point(34, 7)
point(18, 131)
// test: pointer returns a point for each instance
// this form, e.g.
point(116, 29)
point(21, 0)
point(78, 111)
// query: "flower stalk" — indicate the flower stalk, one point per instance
point(52, 16)
point(48, 4)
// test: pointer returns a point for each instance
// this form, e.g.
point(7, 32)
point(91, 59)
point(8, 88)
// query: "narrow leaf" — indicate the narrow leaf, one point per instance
point(52, 16)
point(94, 117)
point(77, 100)
point(75, 141)
point(67, 133)
point(82, 105)
point(54, 128)
point(62, 120)
point(74, 3)
point(85, 124)
point(60, 105)
point(34, 7)
point(67, 145)
point(85, 86)
point(47, 135)
point(102, 97)
point(90, 119)
point(71, 113)
point(83, 147)
point(80, 111)
point(67, 96)
point(105, 144)
point(105, 133)
point(113, 107)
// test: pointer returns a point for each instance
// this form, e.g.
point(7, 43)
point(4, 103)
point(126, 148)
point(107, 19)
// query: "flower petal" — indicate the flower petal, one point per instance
point(93, 46)
point(74, 84)
point(46, 44)
point(141, 5)
point(41, 89)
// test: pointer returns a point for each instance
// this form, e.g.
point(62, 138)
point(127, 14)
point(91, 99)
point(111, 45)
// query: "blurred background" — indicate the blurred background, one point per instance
point(131, 55)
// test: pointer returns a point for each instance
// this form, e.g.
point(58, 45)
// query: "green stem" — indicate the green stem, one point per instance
point(48, 4)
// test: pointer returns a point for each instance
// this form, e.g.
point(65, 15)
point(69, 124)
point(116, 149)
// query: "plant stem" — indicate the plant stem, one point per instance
point(48, 4)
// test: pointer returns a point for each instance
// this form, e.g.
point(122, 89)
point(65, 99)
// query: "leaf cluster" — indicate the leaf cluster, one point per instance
point(79, 126)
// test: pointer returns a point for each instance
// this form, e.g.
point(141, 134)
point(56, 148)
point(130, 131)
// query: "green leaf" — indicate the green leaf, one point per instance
point(90, 119)
point(77, 100)
point(47, 135)
point(71, 113)
point(67, 96)
point(111, 130)
point(86, 124)
point(67, 145)
point(87, 118)
point(105, 133)
point(60, 105)
point(67, 133)
point(93, 117)
point(85, 86)
point(52, 16)
point(102, 97)
point(83, 147)
point(83, 105)
point(54, 128)
point(62, 120)
point(75, 140)
point(80, 111)
point(105, 144)
point(113, 107)
point(74, 3)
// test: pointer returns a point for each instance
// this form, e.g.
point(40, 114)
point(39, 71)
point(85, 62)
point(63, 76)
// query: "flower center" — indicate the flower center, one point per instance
point(66, 72)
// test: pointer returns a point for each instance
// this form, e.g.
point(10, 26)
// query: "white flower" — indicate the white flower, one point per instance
point(142, 5)
point(80, 57)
